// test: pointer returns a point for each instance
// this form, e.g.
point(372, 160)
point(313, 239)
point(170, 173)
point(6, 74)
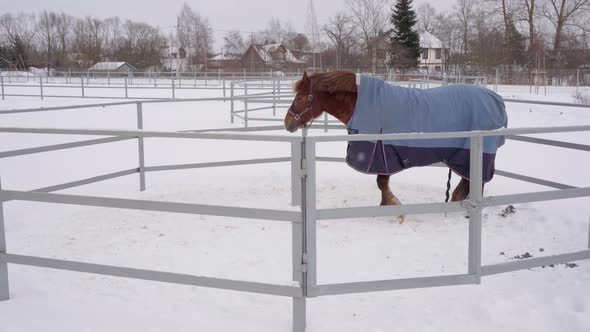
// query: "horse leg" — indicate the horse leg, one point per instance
point(387, 197)
point(462, 191)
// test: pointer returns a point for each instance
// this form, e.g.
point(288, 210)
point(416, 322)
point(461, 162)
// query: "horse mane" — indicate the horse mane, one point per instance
point(338, 81)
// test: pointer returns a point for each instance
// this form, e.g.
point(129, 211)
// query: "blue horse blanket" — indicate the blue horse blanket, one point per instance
point(382, 108)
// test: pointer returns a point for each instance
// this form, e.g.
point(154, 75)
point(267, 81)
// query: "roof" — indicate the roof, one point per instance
point(264, 51)
point(428, 40)
point(108, 66)
point(224, 57)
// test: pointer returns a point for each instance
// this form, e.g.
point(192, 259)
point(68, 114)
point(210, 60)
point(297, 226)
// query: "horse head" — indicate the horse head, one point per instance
point(305, 107)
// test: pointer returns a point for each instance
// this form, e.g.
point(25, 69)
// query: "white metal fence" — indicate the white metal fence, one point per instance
point(303, 159)
point(88, 85)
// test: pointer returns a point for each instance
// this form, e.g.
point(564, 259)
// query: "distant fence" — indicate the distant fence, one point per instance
point(303, 160)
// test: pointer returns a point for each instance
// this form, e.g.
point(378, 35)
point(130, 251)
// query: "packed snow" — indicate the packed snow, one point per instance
point(554, 298)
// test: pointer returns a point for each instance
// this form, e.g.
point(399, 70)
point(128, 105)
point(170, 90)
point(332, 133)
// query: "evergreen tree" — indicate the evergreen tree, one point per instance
point(514, 45)
point(405, 41)
point(18, 54)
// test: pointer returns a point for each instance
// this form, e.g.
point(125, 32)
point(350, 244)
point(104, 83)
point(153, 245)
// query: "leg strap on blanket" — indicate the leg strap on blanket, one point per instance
point(448, 186)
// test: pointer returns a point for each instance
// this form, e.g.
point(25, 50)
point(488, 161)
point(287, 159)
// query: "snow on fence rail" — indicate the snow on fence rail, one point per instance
point(303, 161)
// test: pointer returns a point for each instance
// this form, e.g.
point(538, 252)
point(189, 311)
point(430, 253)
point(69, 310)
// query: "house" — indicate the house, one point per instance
point(174, 59)
point(261, 57)
point(433, 56)
point(223, 60)
point(108, 68)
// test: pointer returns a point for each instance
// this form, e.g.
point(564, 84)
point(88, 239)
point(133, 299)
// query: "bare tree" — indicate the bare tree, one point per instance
point(140, 45)
point(63, 29)
point(88, 41)
point(341, 32)
point(527, 11)
point(234, 42)
point(564, 14)
point(448, 30)
point(112, 32)
point(370, 16)
point(464, 13)
point(195, 34)
point(426, 14)
point(48, 36)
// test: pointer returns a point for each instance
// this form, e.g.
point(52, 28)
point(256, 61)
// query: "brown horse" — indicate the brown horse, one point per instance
point(336, 94)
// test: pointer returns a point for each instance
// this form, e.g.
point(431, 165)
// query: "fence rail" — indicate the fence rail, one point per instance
point(303, 160)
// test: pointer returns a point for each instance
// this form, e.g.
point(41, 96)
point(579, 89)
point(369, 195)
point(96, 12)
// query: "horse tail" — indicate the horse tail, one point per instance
point(448, 186)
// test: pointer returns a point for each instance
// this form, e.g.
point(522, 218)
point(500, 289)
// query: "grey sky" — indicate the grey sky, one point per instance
point(224, 15)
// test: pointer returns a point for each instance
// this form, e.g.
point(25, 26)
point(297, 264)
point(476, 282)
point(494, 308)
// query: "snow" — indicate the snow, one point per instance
point(542, 299)
point(428, 40)
point(224, 57)
point(106, 66)
point(265, 53)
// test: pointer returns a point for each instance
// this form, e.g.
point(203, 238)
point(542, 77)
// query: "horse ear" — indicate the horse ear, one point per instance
point(305, 77)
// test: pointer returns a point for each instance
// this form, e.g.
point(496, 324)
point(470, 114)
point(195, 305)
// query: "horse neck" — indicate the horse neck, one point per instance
point(340, 105)
point(338, 93)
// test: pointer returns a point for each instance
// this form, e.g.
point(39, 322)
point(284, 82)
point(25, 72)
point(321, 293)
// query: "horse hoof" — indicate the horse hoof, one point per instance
point(401, 219)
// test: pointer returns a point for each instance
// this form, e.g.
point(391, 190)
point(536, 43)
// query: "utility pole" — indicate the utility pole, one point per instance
point(313, 30)
point(178, 67)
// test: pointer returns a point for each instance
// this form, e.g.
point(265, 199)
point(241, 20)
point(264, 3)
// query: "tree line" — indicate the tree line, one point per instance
point(58, 40)
point(481, 33)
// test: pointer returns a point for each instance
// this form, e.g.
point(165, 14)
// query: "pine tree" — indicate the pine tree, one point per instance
point(405, 41)
point(514, 44)
point(18, 53)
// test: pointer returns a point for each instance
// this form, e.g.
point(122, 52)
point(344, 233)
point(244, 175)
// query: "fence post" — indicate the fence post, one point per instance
point(2, 84)
point(475, 211)
point(496, 89)
point(3, 266)
point(231, 93)
point(82, 85)
point(297, 247)
point(577, 81)
point(173, 90)
point(126, 93)
point(279, 89)
point(296, 173)
point(246, 104)
point(41, 87)
point(274, 98)
point(140, 147)
point(109, 78)
point(224, 93)
point(325, 122)
point(308, 211)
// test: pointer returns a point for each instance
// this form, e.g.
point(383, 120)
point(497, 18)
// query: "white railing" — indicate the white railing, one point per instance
point(303, 161)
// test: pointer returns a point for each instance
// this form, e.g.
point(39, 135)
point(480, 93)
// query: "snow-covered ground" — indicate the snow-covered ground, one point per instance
point(542, 299)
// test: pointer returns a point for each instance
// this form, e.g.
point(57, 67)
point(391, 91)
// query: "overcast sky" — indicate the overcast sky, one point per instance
point(224, 15)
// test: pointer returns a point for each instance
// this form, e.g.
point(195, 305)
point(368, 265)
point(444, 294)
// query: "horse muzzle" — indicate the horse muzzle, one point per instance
point(291, 124)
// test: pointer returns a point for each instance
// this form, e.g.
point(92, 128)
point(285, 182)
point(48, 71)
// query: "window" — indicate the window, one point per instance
point(438, 54)
point(425, 54)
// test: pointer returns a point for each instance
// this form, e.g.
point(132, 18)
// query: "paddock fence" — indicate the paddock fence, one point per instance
point(303, 160)
point(165, 85)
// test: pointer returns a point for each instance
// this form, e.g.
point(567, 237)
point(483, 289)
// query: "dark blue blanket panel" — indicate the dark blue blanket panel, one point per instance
point(384, 109)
